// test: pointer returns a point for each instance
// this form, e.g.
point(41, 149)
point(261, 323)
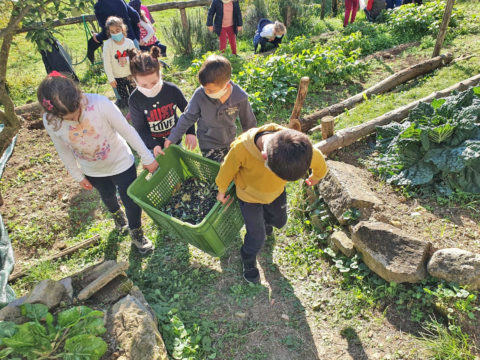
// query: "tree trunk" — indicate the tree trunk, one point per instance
point(443, 28)
point(288, 17)
point(7, 116)
point(348, 136)
point(383, 86)
point(334, 7)
point(322, 14)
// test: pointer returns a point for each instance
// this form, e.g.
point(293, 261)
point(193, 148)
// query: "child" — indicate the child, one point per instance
point(261, 161)
point(115, 58)
point(373, 9)
point(215, 105)
point(268, 31)
point(225, 18)
point(147, 35)
point(153, 105)
point(91, 135)
point(351, 7)
point(138, 7)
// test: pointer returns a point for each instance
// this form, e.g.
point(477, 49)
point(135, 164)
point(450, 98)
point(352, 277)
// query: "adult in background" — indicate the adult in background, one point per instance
point(103, 10)
point(137, 5)
point(373, 9)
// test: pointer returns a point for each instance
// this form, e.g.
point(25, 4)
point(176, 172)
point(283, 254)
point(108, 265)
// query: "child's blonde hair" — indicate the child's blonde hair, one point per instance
point(279, 28)
point(115, 21)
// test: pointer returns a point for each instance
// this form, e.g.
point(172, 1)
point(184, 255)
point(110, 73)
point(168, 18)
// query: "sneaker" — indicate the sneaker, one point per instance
point(120, 222)
point(143, 244)
point(250, 271)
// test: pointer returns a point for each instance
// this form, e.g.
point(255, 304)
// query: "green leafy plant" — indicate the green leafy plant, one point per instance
point(437, 148)
point(71, 336)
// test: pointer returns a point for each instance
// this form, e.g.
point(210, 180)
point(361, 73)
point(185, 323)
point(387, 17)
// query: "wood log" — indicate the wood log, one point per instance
point(68, 251)
point(328, 127)
point(348, 136)
point(297, 108)
point(29, 108)
point(151, 8)
point(388, 53)
point(383, 86)
point(443, 27)
point(186, 27)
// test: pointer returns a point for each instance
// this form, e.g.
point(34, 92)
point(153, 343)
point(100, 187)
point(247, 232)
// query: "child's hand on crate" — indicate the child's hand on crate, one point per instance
point(157, 150)
point(222, 198)
point(151, 167)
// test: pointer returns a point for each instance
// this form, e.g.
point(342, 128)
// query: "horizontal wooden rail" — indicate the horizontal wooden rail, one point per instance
point(151, 8)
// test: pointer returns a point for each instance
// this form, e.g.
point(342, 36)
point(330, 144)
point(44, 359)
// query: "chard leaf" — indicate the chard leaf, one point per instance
point(34, 312)
point(70, 317)
point(84, 347)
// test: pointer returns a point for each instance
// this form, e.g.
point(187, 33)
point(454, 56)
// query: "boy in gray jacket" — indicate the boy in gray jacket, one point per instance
point(215, 105)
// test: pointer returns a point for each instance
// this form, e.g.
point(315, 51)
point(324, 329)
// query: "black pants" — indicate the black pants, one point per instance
point(124, 88)
point(257, 217)
point(107, 187)
point(215, 154)
point(92, 45)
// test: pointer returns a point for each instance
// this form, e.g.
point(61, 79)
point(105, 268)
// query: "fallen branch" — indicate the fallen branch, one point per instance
point(68, 251)
point(383, 86)
point(389, 53)
point(348, 136)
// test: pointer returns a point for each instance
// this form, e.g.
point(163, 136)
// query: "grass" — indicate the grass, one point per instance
point(310, 300)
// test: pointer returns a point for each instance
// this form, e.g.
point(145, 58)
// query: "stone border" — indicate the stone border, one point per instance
point(386, 250)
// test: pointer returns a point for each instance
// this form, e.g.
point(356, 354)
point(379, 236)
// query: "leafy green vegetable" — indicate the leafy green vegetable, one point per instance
point(75, 331)
point(438, 147)
point(84, 347)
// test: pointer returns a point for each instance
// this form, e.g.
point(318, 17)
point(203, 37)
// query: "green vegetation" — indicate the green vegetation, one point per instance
point(437, 147)
point(310, 298)
point(72, 335)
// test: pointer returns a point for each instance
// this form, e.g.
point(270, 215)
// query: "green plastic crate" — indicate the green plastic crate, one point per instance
point(217, 230)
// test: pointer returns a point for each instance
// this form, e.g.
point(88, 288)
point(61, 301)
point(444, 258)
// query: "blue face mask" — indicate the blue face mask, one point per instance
point(279, 36)
point(117, 37)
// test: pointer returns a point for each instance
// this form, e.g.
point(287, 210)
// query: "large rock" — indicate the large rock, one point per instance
point(342, 189)
point(390, 253)
point(113, 291)
point(340, 241)
point(47, 292)
point(90, 274)
point(456, 265)
point(135, 331)
point(12, 313)
point(109, 274)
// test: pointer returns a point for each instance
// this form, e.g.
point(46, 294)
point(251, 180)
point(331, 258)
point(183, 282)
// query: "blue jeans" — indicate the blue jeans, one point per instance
point(107, 187)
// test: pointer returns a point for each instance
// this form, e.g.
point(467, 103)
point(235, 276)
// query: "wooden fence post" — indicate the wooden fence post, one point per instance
point(183, 15)
point(297, 108)
point(443, 27)
point(328, 126)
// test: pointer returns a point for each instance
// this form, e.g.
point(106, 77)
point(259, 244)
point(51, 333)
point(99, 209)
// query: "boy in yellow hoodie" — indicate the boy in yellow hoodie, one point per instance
point(261, 161)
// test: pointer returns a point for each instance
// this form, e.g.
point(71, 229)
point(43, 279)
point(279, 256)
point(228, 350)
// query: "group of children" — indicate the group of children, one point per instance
point(92, 136)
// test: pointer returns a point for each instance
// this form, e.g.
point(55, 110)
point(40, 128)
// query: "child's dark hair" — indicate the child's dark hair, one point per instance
point(115, 21)
point(59, 96)
point(215, 70)
point(144, 63)
point(289, 154)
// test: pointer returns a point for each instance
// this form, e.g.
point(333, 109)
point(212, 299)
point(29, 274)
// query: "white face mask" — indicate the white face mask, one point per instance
point(154, 91)
point(219, 93)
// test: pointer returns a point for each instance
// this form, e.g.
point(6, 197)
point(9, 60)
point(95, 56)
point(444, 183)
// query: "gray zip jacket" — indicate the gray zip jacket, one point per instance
point(216, 127)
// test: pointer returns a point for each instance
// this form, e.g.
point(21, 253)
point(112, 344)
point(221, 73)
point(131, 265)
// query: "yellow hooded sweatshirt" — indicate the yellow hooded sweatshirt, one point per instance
point(244, 164)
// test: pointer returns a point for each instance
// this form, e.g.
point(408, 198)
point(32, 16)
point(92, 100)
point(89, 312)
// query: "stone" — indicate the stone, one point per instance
point(18, 302)
point(47, 292)
point(102, 280)
point(12, 313)
point(67, 284)
point(390, 253)
point(90, 274)
point(340, 241)
point(456, 265)
point(135, 332)
point(343, 189)
point(136, 292)
point(116, 289)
